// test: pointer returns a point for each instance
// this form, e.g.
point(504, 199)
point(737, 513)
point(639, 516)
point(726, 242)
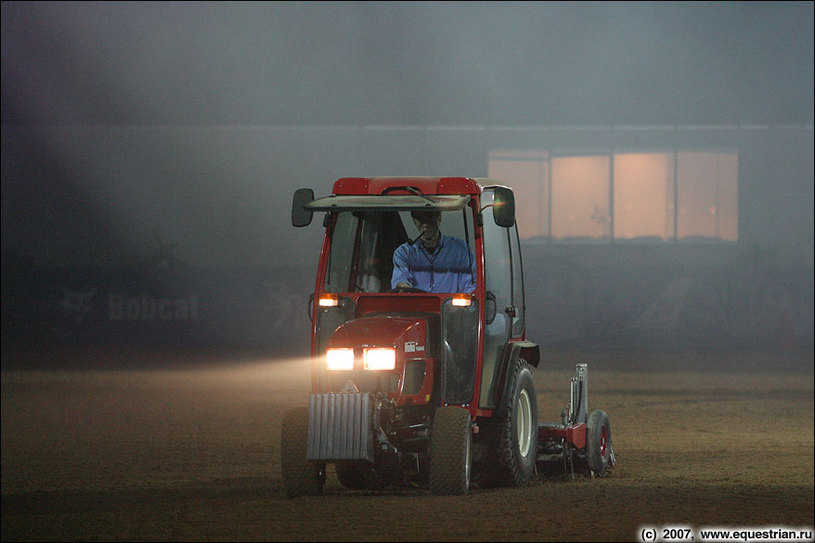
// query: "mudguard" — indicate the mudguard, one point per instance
point(512, 351)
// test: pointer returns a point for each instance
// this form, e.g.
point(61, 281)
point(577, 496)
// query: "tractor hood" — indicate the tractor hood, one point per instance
point(404, 334)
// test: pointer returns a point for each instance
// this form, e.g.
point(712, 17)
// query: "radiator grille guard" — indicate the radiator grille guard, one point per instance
point(340, 427)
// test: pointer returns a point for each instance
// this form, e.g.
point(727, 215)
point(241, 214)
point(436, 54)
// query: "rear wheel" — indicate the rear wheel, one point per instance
point(517, 446)
point(598, 443)
point(451, 446)
point(300, 477)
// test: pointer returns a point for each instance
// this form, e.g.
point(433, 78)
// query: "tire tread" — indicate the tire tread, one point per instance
point(300, 477)
point(451, 436)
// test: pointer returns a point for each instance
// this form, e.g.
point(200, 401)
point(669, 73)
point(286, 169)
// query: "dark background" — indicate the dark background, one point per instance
point(150, 150)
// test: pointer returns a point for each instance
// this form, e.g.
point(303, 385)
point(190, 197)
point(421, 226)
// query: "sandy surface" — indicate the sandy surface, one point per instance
point(187, 447)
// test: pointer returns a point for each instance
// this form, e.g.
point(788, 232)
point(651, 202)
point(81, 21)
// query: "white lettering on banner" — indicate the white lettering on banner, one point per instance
point(147, 308)
point(77, 303)
point(284, 306)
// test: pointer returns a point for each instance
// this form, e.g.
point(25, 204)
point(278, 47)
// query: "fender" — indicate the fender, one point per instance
point(512, 351)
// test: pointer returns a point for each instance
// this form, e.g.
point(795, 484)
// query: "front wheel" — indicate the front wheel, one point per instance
point(300, 477)
point(451, 446)
point(599, 453)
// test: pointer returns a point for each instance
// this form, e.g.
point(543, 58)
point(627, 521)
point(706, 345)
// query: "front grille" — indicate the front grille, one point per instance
point(340, 427)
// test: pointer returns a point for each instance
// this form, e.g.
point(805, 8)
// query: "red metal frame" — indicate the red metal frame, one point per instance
point(575, 434)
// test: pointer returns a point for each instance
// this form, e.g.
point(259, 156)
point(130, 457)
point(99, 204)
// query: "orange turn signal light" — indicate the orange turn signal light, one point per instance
point(462, 300)
point(329, 300)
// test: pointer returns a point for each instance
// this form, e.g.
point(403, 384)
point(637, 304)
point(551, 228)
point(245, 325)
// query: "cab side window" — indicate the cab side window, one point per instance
point(498, 276)
point(518, 302)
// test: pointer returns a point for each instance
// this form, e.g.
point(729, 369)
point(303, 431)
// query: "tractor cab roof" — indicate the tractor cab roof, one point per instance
point(405, 193)
point(402, 185)
point(398, 194)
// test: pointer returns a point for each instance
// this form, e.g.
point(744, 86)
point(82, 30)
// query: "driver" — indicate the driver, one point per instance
point(438, 264)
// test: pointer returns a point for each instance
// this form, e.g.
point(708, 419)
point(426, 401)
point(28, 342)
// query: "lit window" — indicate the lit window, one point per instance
point(580, 197)
point(643, 195)
point(707, 195)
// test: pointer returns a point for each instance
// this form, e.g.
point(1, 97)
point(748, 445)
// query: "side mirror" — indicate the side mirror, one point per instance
point(300, 216)
point(503, 207)
point(490, 307)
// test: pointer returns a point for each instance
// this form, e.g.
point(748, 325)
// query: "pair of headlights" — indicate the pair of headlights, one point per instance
point(374, 358)
point(333, 300)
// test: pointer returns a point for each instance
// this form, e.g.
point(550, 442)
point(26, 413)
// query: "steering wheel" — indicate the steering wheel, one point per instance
point(407, 289)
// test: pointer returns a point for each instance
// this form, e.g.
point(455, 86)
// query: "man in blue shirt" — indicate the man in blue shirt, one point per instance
point(433, 262)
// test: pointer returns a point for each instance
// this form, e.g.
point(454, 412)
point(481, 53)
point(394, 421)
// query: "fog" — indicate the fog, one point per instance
point(462, 63)
point(164, 140)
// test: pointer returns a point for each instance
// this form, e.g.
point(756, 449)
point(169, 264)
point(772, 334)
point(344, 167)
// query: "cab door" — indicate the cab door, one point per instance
point(504, 313)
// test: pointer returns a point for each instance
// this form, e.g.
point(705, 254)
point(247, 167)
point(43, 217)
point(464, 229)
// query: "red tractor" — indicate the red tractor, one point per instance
point(415, 386)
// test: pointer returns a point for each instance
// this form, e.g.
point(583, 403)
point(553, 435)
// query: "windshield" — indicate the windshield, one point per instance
point(363, 245)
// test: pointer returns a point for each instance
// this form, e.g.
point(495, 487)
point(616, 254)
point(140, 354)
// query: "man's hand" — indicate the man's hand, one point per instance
point(402, 284)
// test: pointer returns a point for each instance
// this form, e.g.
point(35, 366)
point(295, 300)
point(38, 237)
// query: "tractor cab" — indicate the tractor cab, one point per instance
point(413, 331)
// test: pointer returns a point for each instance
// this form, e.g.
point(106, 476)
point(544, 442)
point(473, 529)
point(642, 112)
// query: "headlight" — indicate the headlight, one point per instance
point(379, 358)
point(339, 359)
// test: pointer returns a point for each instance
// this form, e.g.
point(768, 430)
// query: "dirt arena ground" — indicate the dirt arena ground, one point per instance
point(187, 447)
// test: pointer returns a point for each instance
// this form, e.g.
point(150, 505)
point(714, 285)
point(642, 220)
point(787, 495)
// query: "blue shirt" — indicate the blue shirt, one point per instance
point(449, 268)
